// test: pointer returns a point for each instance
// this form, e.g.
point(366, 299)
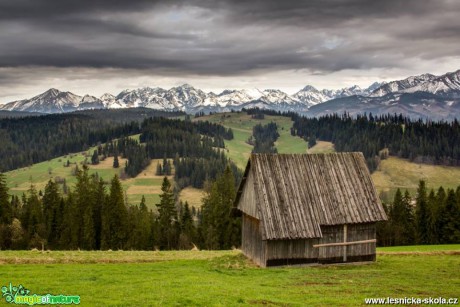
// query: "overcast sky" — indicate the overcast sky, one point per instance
point(96, 46)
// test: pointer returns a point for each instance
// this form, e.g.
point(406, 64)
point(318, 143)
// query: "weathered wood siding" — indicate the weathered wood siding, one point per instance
point(359, 232)
point(247, 202)
point(355, 232)
point(331, 234)
point(285, 252)
point(252, 244)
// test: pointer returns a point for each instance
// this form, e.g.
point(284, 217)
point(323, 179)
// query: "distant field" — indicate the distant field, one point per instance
point(241, 124)
point(225, 278)
point(421, 248)
point(193, 196)
point(322, 147)
point(396, 173)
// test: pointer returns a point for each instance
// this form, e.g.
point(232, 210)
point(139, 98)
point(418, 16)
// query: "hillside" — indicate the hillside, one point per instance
point(241, 124)
point(396, 173)
point(392, 173)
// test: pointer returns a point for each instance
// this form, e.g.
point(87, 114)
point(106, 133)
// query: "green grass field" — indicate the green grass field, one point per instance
point(225, 278)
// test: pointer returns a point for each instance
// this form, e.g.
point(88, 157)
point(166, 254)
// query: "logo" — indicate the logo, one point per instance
point(22, 296)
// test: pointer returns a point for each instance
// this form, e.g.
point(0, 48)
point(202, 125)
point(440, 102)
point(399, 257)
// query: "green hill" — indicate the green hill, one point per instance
point(241, 123)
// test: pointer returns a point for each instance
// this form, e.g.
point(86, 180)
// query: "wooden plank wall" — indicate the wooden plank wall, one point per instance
point(360, 232)
point(252, 245)
point(294, 249)
point(356, 252)
point(331, 234)
point(247, 202)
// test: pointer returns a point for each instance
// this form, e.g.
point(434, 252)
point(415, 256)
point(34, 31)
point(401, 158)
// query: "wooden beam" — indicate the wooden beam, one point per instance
point(345, 243)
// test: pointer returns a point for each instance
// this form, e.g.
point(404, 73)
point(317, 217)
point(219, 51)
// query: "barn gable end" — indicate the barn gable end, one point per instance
point(290, 200)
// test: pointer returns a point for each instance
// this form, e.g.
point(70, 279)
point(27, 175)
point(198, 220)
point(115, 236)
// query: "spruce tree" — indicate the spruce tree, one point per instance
point(117, 213)
point(116, 163)
point(220, 230)
point(6, 210)
point(422, 213)
point(409, 219)
point(188, 231)
point(95, 158)
point(159, 171)
point(451, 231)
point(167, 215)
point(52, 212)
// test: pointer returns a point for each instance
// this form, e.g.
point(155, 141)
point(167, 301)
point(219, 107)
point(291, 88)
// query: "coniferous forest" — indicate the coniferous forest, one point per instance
point(379, 136)
point(94, 216)
point(431, 217)
point(33, 139)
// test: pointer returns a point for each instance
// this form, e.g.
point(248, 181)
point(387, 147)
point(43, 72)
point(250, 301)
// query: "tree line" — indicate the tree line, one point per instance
point(96, 216)
point(34, 139)
point(263, 138)
point(433, 217)
point(377, 136)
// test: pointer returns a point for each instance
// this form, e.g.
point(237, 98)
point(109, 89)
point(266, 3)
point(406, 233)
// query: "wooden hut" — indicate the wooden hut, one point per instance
point(308, 208)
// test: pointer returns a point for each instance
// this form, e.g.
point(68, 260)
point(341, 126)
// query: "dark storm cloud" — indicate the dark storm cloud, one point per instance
point(226, 37)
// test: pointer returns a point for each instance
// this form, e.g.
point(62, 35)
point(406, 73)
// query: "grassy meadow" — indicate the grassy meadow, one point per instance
point(241, 123)
point(227, 278)
point(396, 173)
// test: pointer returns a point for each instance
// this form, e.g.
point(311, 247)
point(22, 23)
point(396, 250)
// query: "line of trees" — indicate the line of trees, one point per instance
point(263, 138)
point(95, 216)
point(33, 139)
point(376, 136)
point(431, 218)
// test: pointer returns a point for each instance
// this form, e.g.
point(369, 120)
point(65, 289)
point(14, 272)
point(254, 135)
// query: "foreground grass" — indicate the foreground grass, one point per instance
point(226, 278)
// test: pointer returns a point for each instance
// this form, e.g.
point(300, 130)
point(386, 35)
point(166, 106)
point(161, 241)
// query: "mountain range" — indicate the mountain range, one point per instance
point(426, 96)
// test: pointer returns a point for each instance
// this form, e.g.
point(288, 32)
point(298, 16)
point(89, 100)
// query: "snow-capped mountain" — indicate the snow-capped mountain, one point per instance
point(401, 85)
point(90, 102)
point(311, 96)
point(229, 98)
point(446, 85)
point(109, 101)
point(416, 105)
point(424, 96)
point(51, 101)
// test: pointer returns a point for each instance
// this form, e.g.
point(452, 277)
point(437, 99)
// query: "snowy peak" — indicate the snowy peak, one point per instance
point(445, 85)
point(401, 85)
point(311, 96)
point(51, 101)
point(228, 98)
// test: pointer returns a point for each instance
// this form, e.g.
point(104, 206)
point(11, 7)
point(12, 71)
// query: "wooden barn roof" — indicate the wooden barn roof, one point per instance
point(296, 193)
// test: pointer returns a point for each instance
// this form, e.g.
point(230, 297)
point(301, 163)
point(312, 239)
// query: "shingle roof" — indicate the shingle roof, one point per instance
point(296, 193)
